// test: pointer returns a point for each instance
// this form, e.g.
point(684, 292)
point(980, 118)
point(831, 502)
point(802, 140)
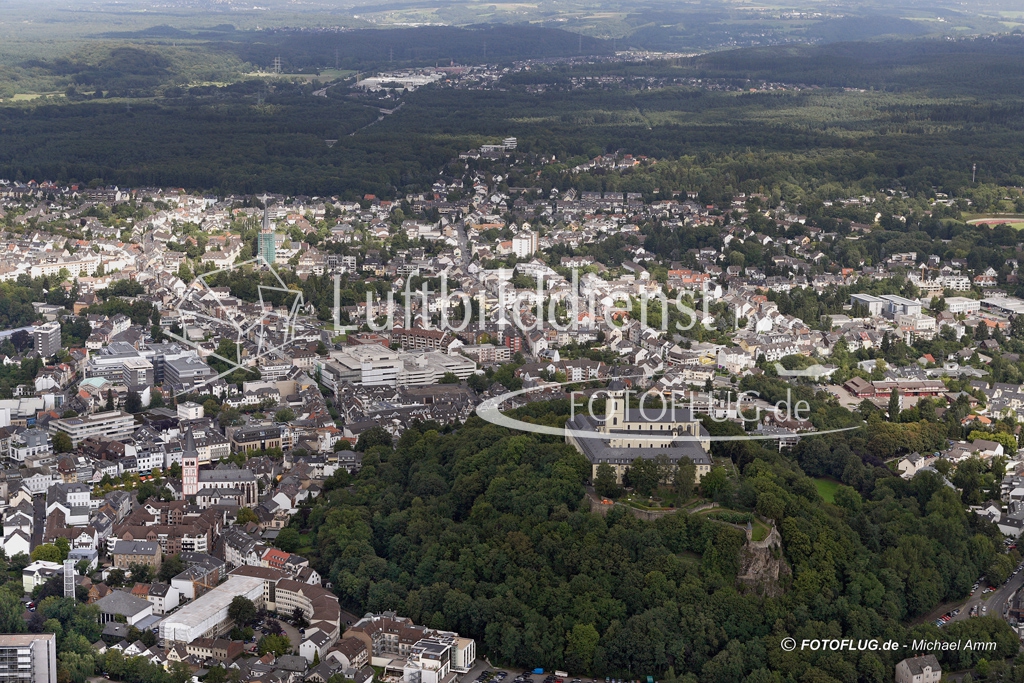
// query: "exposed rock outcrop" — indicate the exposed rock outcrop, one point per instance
point(763, 568)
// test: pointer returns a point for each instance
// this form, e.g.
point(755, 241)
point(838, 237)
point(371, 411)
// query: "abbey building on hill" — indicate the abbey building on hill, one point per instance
point(631, 433)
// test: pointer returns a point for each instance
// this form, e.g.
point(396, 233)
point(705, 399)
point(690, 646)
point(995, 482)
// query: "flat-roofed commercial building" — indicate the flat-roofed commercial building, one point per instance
point(961, 304)
point(1003, 305)
point(898, 305)
point(255, 439)
point(113, 424)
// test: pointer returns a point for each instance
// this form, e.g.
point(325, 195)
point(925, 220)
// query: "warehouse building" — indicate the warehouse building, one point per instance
point(207, 616)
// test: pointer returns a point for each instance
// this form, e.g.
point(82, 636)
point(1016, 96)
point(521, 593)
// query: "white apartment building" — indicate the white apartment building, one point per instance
point(916, 322)
point(430, 661)
point(961, 304)
point(188, 410)
point(30, 443)
point(524, 244)
point(958, 283)
point(28, 658)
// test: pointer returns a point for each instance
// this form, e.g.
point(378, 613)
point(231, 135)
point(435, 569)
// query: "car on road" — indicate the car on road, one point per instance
point(984, 609)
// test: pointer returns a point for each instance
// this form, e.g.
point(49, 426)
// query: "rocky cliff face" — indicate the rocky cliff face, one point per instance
point(763, 567)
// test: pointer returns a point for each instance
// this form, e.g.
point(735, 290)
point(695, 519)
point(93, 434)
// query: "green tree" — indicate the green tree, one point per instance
point(246, 515)
point(288, 539)
point(116, 578)
point(242, 610)
point(284, 415)
point(62, 443)
point(11, 609)
point(279, 645)
point(47, 552)
point(894, 406)
point(683, 478)
point(605, 483)
point(170, 567)
point(478, 382)
point(581, 644)
point(374, 436)
point(141, 572)
point(714, 481)
point(133, 403)
point(644, 475)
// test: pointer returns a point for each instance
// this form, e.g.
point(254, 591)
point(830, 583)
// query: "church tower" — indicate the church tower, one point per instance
point(190, 466)
point(615, 405)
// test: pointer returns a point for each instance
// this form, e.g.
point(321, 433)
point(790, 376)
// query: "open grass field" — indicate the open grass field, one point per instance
point(1014, 221)
point(826, 488)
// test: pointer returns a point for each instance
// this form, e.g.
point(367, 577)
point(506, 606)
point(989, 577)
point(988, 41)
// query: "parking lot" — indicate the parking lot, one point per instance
point(988, 600)
point(483, 672)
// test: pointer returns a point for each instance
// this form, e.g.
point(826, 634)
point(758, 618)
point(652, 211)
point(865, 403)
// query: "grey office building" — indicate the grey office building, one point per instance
point(47, 339)
point(28, 658)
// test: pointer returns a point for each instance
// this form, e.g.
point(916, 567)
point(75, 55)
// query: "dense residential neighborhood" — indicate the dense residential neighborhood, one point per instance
point(189, 373)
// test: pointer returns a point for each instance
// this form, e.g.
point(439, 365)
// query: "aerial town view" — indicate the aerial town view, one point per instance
point(560, 342)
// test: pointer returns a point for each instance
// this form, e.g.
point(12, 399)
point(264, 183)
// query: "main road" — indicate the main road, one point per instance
point(997, 602)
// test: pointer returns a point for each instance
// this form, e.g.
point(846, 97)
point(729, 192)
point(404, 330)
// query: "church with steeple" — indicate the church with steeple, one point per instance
point(190, 466)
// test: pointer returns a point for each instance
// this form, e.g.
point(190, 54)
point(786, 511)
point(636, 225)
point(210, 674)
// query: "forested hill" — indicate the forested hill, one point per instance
point(992, 66)
point(365, 48)
point(483, 531)
point(929, 111)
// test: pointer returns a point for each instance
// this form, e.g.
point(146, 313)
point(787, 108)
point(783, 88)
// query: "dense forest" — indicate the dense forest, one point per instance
point(487, 532)
point(923, 112)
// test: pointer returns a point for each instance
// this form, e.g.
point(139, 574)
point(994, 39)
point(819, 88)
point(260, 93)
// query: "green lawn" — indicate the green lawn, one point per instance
point(759, 530)
point(826, 488)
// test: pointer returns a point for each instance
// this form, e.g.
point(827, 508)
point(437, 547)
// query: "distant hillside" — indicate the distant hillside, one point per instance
point(980, 66)
point(424, 45)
